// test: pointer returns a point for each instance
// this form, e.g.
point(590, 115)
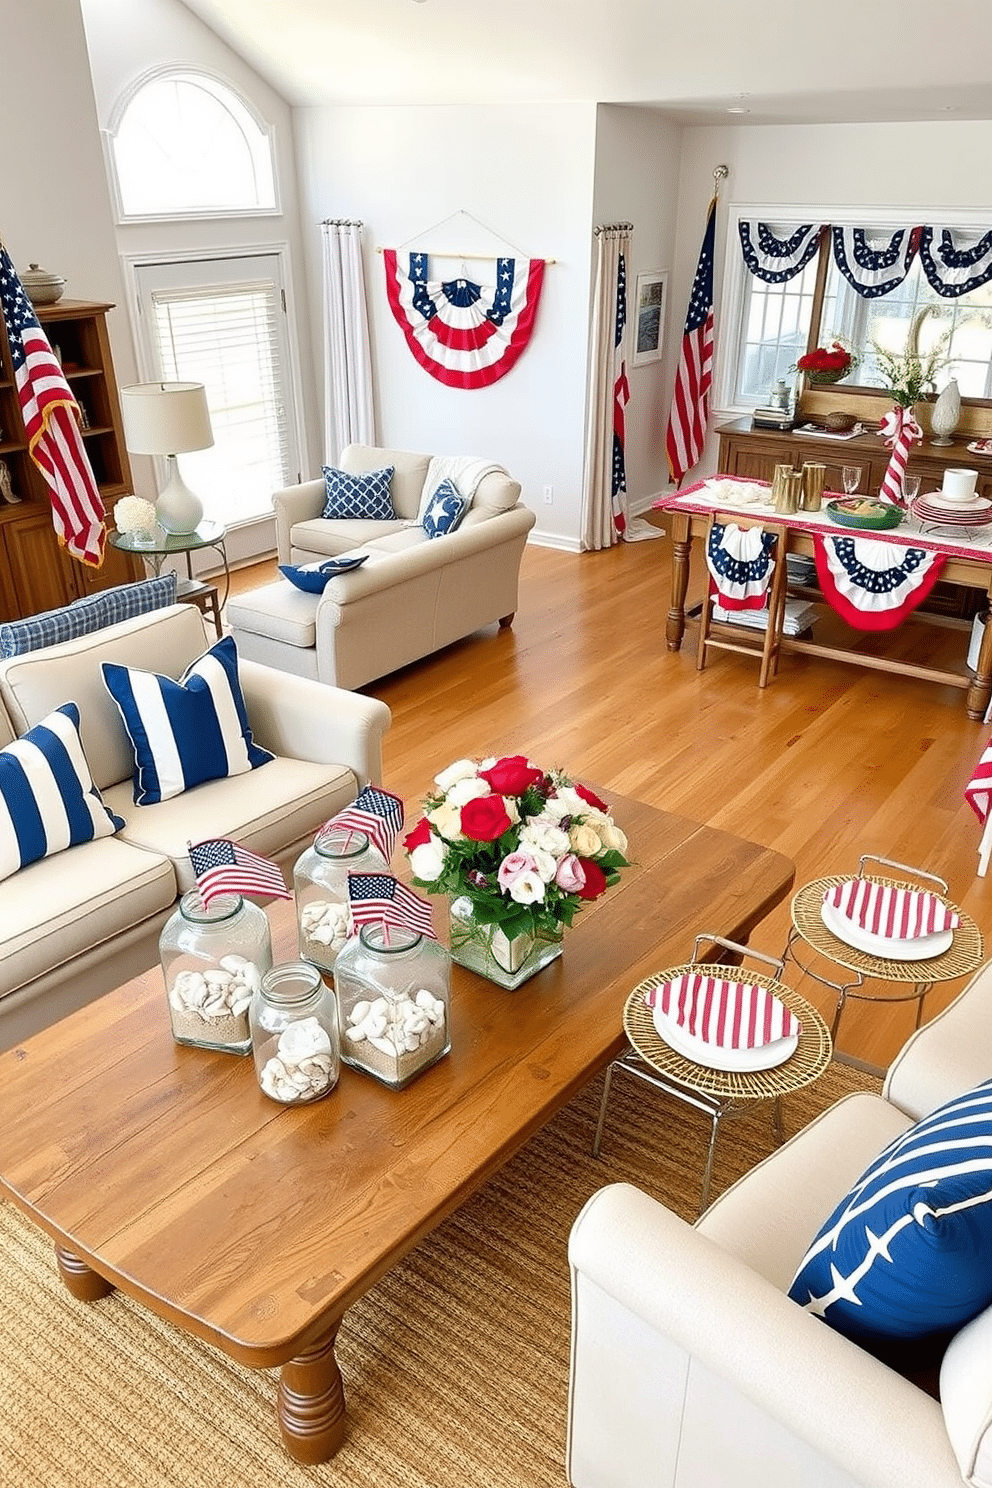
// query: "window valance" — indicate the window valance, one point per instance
point(952, 261)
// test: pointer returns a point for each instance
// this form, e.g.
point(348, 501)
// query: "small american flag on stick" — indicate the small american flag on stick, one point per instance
point(222, 867)
point(380, 899)
point(377, 813)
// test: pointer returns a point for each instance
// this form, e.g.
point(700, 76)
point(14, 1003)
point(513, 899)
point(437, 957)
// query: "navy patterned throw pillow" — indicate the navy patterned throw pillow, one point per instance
point(906, 1253)
point(446, 510)
point(358, 497)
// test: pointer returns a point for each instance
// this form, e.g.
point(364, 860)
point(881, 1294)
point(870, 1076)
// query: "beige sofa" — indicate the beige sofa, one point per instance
point(413, 595)
point(691, 1367)
point(74, 925)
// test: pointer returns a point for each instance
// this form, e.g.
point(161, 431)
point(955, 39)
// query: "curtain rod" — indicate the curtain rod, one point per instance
point(437, 253)
point(340, 222)
point(614, 227)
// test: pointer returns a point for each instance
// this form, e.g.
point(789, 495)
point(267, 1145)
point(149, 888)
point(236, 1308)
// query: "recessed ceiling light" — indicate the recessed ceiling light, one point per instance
point(737, 109)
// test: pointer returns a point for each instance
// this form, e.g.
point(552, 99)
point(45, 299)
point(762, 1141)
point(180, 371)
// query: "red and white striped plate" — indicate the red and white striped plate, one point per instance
point(723, 1024)
point(900, 924)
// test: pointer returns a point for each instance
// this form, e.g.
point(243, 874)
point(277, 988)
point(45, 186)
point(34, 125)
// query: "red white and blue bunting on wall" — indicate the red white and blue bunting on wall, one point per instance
point(464, 334)
point(953, 261)
point(874, 585)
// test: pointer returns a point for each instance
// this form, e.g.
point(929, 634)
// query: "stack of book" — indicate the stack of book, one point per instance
point(799, 616)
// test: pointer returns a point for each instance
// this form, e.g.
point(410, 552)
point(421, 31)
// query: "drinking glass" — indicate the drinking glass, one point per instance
point(910, 488)
point(851, 476)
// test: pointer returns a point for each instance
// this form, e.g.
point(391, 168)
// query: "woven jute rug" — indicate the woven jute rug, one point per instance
point(455, 1365)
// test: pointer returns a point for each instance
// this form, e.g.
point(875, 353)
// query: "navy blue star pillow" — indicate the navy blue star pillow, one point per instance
point(358, 497)
point(906, 1253)
point(447, 507)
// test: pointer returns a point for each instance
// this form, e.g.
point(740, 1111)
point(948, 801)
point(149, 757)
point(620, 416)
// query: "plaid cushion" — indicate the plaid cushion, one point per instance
point(83, 616)
point(366, 497)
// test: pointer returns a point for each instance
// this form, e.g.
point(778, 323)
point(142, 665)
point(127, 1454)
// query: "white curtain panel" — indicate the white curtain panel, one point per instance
point(598, 525)
point(349, 412)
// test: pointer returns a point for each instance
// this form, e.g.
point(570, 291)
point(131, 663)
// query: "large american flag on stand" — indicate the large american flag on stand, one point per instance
point(691, 399)
point(51, 420)
point(621, 397)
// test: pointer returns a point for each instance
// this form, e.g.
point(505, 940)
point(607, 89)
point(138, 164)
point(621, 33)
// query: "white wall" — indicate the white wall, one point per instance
point(54, 201)
point(526, 172)
point(637, 178)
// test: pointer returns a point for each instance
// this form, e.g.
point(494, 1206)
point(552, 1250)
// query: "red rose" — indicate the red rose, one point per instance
point(484, 819)
point(511, 776)
point(420, 834)
point(595, 879)
point(589, 797)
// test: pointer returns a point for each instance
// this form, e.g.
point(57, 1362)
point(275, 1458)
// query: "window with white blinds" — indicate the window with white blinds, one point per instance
point(231, 337)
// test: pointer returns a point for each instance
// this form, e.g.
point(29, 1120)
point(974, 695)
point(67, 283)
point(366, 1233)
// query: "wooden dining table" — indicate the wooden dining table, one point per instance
point(163, 1170)
point(967, 561)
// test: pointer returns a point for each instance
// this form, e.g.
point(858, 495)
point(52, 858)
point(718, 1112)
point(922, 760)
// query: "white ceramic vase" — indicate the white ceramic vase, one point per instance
point(945, 414)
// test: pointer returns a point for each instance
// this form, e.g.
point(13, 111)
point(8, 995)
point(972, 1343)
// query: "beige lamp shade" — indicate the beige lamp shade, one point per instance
point(170, 419)
point(166, 418)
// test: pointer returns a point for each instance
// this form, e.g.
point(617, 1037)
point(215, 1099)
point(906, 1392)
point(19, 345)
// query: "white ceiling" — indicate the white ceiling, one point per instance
point(843, 61)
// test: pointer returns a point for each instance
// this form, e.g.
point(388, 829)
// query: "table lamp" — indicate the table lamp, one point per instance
point(170, 419)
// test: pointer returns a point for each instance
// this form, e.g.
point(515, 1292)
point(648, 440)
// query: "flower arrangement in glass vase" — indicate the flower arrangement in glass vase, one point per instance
point(826, 364)
point(519, 850)
point(137, 518)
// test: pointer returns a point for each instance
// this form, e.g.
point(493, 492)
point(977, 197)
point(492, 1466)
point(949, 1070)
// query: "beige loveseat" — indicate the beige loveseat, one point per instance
point(412, 596)
point(692, 1368)
point(76, 924)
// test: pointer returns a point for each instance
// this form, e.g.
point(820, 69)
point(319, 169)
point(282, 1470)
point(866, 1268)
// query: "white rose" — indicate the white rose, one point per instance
point(427, 860)
point(538, 835)
point(585, 842)
point(466, 790)
point(447, 821)
point(462, 769)
point(567, 802)
point(613, 837)
point(527, 887)
point(546, 863)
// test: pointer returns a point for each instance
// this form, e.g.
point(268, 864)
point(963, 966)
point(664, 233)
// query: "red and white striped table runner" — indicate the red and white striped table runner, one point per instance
point(729, 1015)
point(893, 914)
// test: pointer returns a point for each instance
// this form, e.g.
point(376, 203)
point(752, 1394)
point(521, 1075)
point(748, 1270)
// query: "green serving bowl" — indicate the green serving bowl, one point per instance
point(852, 512)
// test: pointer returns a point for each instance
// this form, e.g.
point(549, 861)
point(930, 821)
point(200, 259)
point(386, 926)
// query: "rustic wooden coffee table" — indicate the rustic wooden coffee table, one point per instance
point(164, 1171)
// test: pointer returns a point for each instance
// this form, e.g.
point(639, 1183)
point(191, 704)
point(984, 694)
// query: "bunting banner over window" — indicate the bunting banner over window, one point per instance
point(874, 585)
point(463, 334)
point(773, 259)
point(953, 271)
point(874, 271)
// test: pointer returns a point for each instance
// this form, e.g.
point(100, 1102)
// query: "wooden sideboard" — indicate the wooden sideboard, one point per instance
point(36, 573)
point(754, 453)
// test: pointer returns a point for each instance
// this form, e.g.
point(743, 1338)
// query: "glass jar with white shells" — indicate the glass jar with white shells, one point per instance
point(213, 960)
point(320, 885)
point(393, 989)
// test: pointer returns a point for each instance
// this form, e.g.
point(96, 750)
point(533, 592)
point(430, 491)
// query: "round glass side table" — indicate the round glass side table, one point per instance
point(908, 981)
point(207, 535)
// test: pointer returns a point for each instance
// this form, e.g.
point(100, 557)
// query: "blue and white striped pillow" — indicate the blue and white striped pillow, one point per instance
point(189, 731)
point(906, 1253)
point(48, 801)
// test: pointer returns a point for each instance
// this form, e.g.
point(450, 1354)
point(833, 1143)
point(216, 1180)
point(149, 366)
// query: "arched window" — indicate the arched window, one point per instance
point(183, 144)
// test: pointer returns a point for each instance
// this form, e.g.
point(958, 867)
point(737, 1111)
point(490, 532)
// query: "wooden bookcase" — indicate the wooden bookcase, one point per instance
point(36, 573)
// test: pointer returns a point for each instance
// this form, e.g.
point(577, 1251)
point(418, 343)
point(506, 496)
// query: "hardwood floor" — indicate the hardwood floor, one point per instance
point(827, 763)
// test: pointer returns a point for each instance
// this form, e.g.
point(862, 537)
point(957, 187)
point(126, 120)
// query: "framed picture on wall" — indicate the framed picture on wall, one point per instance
point(650, 304)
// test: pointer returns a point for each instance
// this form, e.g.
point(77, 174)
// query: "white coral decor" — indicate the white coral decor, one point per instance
point(134, 514)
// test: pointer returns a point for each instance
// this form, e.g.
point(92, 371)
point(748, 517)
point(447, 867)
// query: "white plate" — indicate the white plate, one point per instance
point(939, 499)
point(923, 948)
point(711, 1056)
